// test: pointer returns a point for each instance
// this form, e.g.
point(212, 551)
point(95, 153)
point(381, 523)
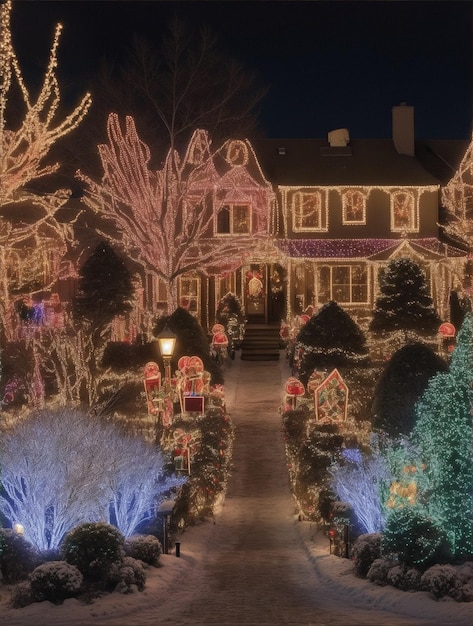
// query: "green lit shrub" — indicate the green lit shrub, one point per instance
point(17, 556)
point(93, 548)
point(146, 548)
point(55, 581)
point(366, 549)
point(414, 539)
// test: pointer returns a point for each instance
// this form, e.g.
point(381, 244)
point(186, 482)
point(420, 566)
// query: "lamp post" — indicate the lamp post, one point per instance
point(167, 342)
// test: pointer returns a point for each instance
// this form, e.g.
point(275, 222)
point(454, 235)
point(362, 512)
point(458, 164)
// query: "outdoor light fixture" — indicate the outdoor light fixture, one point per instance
point(167, 342)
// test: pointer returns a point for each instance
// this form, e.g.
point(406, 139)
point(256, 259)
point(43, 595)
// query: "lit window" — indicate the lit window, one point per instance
point(354, 207)
point(347, 284)
point(189, 294)
point(403, 212)
point(308, 211)
point(234, 219)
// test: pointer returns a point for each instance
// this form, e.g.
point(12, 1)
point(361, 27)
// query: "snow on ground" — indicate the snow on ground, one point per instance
point(257, 564)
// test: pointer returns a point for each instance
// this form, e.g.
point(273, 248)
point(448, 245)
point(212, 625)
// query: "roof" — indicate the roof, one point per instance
point(371, 249)
point(364, 162)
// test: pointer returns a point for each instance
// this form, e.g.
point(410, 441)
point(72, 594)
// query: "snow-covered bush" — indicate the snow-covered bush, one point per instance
point(62, 467)
point(366, 549)
point(127, 573)
point(146, 548)
point(379, 570)
point(22, 595)
point(93, 548)
point(55, 581)
point(17, 556)
point(414, 539)
point(442, 580)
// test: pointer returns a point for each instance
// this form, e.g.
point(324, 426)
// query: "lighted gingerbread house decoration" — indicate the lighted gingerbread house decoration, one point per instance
point(331, 399)
point(193, 380)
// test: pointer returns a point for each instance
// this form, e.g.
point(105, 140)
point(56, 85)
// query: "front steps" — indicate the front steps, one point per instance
point(260, 343)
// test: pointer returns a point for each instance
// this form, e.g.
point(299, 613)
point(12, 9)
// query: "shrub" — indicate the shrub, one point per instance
point(55, 581)
point(366, 549)
point(379, 570)
point(146, 548)
point(414, 538)
point(17, 556)
point(22, 595)
point(442, 580)
point(126, 573)
point(93, 548)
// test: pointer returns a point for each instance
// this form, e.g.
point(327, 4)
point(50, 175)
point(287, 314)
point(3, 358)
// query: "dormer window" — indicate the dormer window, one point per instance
point(354, 207)
point(403, 212)
point(234, 219)
point(308, 211)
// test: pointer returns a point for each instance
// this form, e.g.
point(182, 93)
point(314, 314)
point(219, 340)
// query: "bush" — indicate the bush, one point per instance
point(17, 556)
point(414, 538)
point(366, 549)
point(379, 570)
point(442, 580)
point(55, 581)
point(146, 548)
point(93, 548)
point(126, 573)
point(22, 595)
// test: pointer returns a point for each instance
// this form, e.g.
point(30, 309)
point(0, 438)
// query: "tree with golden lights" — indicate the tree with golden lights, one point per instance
point(29, 127)
point(167, 218)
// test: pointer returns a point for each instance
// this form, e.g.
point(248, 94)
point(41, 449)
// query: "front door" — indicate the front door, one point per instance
point(256, 293)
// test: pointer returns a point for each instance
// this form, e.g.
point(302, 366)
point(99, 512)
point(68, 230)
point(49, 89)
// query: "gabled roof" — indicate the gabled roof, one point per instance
point(371, 249)
point(364, 162)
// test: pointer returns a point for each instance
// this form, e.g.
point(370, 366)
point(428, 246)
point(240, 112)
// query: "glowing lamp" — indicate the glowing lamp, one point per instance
point(167, 343)
point(18, 529)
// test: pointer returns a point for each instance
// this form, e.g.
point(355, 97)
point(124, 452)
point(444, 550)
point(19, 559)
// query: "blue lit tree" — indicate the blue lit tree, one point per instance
point(443, 435)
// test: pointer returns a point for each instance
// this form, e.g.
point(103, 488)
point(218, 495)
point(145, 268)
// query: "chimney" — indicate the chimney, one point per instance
point(403, 129)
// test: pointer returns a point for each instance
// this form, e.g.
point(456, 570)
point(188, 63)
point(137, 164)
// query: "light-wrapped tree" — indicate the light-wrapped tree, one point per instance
point(175, 220)
point(27, 215)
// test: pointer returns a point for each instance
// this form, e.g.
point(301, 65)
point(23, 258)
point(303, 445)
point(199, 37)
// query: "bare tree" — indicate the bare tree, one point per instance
point(167, 218)
point(185, 84)
point(28, 217)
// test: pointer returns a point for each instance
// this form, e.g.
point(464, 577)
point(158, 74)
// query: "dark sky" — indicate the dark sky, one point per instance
point(330, 64)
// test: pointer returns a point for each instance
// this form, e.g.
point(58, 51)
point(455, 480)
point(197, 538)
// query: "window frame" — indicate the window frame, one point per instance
point(413, 219)
point(298, 200)
point(230, 207)
point(351, 284)
point(345, 206)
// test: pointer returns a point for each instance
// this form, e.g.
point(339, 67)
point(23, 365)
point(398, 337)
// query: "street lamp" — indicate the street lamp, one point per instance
point(167, 342)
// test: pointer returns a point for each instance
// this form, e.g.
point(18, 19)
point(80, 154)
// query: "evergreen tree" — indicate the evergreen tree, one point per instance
point(331, 338)
point(443, 434)
point(405, 303)
point(401, 385)
point(105, 287)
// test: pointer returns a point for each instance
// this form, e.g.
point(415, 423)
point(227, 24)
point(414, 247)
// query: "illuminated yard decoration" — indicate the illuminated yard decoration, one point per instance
point(23, 150)
point(62, 468)
point(180, 218)
point(331, 399)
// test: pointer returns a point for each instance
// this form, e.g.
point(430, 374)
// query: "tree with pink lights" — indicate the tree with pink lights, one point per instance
point(180, 218)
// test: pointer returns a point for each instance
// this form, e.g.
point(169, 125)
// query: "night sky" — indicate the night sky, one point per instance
point(330, 64)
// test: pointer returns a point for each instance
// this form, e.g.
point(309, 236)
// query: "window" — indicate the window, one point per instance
point(354, 207)
point(308, 211)
point(346, 284)
point(234, 219)
point(189, 294)
point(403, 212)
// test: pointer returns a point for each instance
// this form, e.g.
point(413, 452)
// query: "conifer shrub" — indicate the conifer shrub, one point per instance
point(93, 547)
point(404, 578)
point(379, 570)
point(18, 557)
point(414, 538)
point(146, 548)
point(55, 581)
point(366, 549)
